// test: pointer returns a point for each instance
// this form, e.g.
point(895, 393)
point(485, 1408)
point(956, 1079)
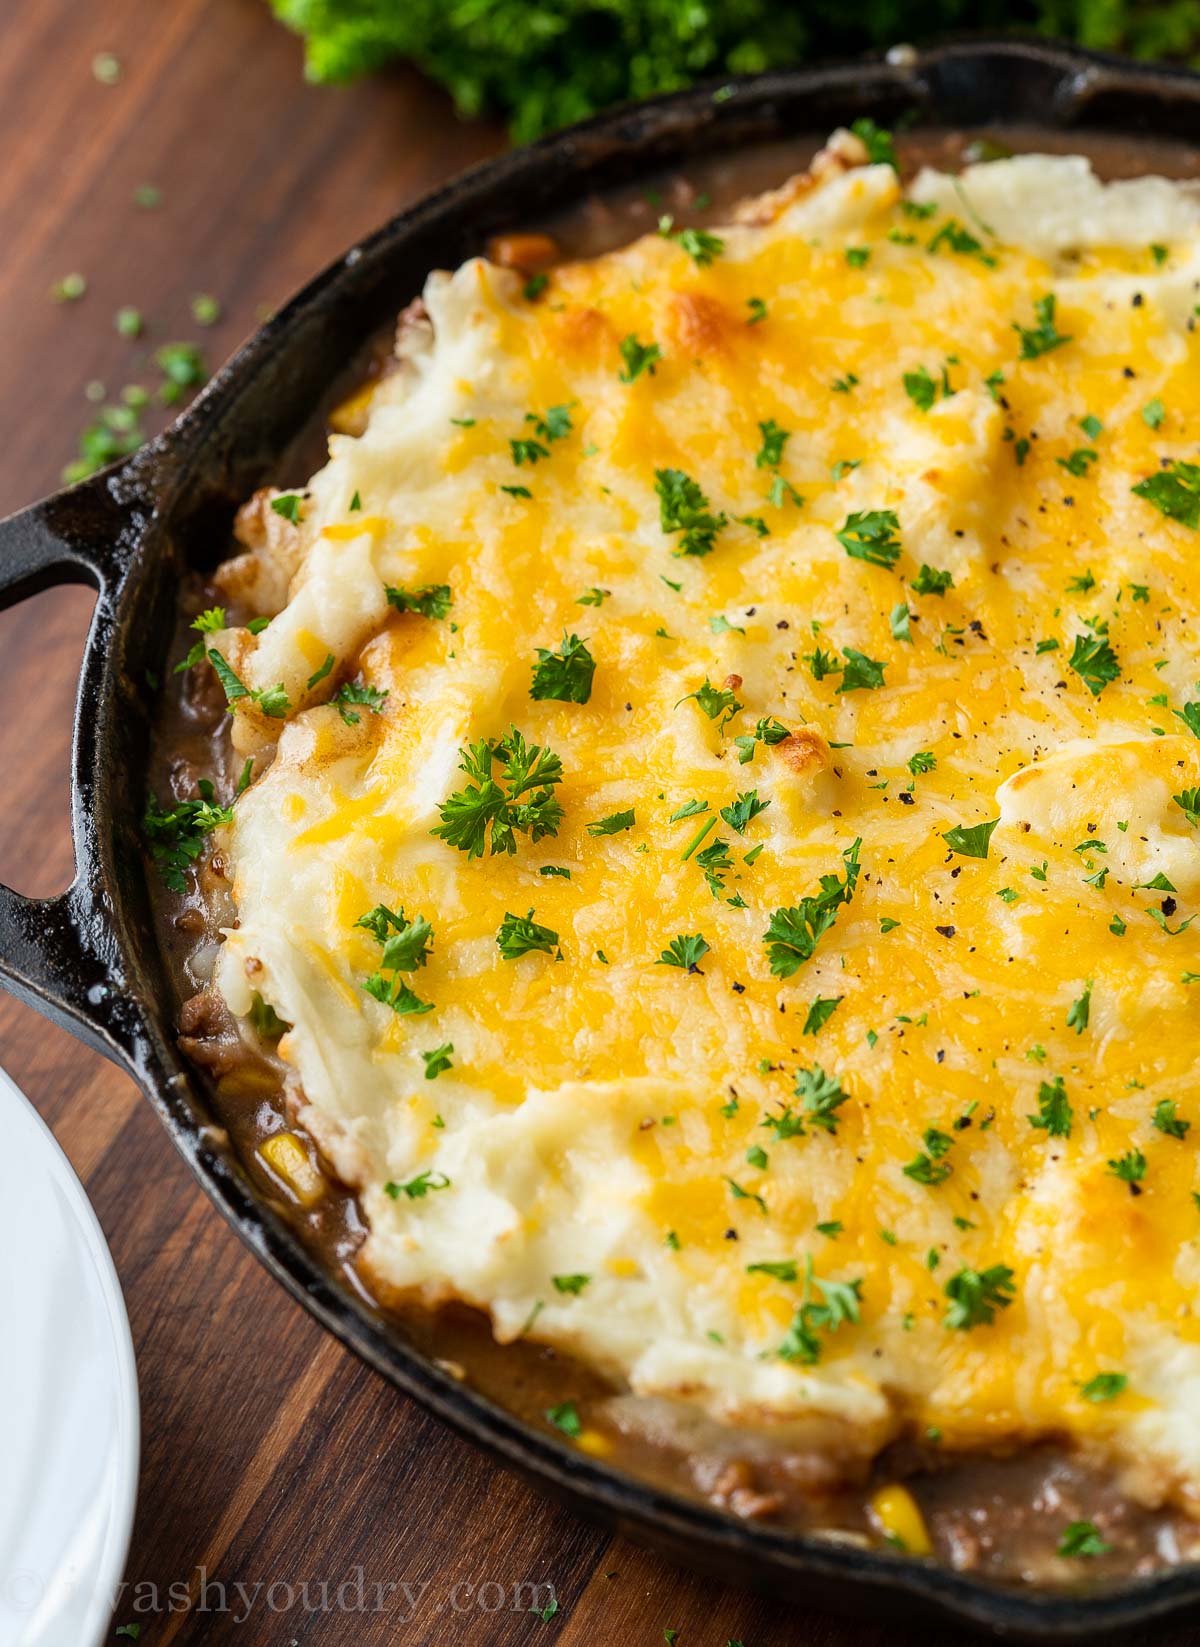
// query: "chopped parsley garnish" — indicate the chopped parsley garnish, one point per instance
point(534, 287)
point(1095, 662)
point(1153, 413)
point(840, 1306)
point(593, 597)
point(1079, 461)
point(405, 946)
point(960, 240)
point(1104, 1387)
point(432, 601)
point(924, 390)
point(879, 143)
point(289, 506)
point(565, 1417)
point(1130, 1168)
point(437, 1061)
point(859, 672)
point(784, 1270)
point(365, 697)
point(858, 256)
point(419, 1187)
point(976, 1295)
point(526, 803)
point(1082, 1538)
point(176, 837)
point(758, 311)
point(700, 246)
point(638, 358)
point(870, 535)
point(739, 813)
point(613, 824)
point(792, 936)
point(519, 934)
point(819, 1013)
point(767, 731)
point(774, 439)
point(930, 581)
point(1080, 1010)
point(684, 508)
point(272, 700)
point(1054, 1109)
point(900, 623)
point(685, 951)
point(1040, 339)
point(970, 841)
point(565, 675)
point(1174, 492)
point(1165, 1120)
point(927, 1167)
point(821, 1096)
point(714, 701)
point(923, 761)
point(573, 1285)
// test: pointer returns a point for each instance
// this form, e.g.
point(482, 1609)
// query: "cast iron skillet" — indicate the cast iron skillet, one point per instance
point(89, 959)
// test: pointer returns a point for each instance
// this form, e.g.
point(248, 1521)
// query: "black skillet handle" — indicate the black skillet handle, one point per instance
point(57, 954)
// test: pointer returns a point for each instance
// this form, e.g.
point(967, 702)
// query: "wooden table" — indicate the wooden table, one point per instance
point(271, 1458)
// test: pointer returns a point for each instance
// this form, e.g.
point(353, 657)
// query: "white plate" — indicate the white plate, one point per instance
point(68, 1398)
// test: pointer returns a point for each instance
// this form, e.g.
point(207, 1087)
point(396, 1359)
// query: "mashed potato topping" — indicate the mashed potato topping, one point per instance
point(732, 842)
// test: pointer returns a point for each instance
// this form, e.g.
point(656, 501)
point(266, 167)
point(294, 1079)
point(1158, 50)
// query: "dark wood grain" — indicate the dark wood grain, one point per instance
point(271, 1459)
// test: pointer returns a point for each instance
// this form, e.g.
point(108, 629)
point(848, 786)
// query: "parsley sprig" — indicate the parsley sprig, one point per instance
point(525, 803)
point(565, 673)
point(793, 933)
point(176, 836)
point(684, 508)
point(405, 945)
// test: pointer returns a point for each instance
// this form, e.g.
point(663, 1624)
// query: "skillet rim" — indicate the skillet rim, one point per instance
point(91, 924)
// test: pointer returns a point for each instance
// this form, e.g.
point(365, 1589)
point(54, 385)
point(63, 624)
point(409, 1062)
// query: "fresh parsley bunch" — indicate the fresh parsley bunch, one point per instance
point(545, 63)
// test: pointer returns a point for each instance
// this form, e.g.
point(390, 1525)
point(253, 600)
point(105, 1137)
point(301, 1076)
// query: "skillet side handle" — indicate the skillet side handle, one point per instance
point(57, 954)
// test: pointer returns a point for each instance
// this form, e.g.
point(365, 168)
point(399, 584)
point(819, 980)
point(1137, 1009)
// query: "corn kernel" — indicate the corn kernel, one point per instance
point(288, 1159)
point(899, 1518)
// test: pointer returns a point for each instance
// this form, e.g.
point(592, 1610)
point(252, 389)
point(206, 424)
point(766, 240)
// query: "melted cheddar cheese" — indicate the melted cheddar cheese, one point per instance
point(908, 1141)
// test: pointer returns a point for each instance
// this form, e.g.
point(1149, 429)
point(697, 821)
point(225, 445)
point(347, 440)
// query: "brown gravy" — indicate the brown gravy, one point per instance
point(1000, 1516)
